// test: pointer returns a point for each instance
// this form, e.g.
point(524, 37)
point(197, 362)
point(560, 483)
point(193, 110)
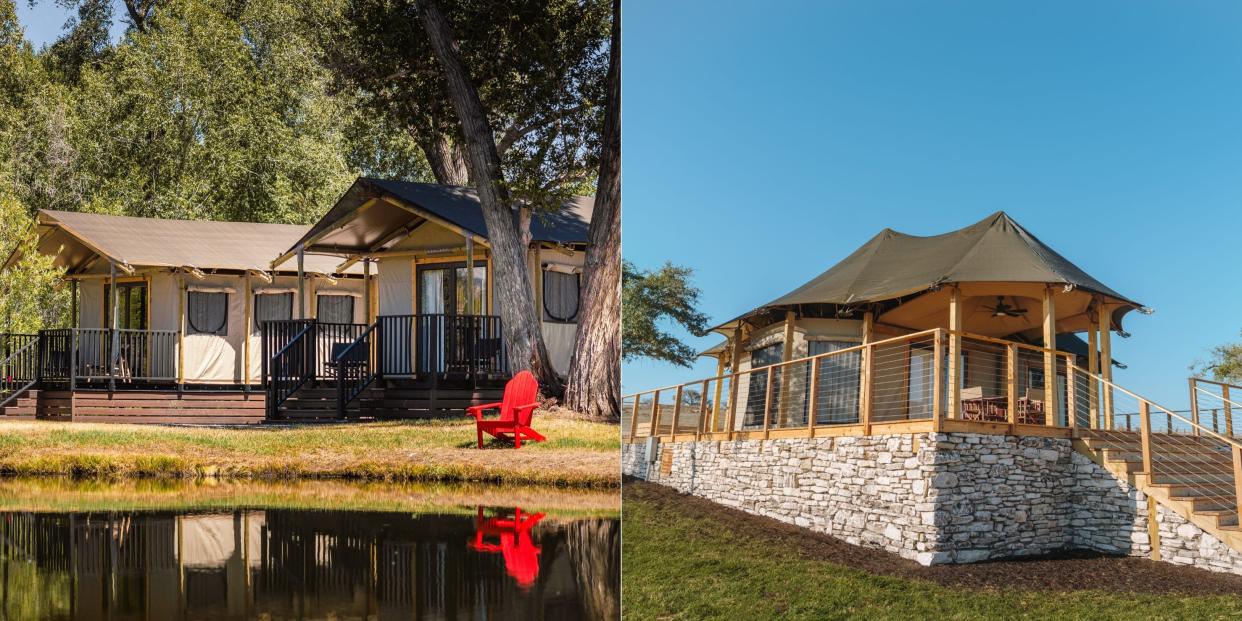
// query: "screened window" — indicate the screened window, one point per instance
point(756, 393)
point(837, 401)
point(560, 296)
point(335, 308)
point(131, 299)
point(208, 313)
point(272, 307)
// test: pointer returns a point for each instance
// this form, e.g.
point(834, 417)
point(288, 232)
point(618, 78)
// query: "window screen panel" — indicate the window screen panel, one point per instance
point(560, 296)
point(335, 308)
point(838, 384)
point(756, 392)
point(208, 313)
point(272, 307)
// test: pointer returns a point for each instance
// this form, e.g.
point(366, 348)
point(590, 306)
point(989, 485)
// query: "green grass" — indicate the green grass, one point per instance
point(679, 567)
point(577, 453)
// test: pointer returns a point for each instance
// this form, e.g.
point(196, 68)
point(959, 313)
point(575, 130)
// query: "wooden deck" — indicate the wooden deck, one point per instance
point(163, 406)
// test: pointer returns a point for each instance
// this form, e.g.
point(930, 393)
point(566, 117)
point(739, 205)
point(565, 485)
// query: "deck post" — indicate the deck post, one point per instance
point(1011, 384)
point(955, 353)
point(246, 313)
point(813, 397)
point(655, 415)
point(1237, 476)
point(1194, 405)
point(1145, 431)
point(1224, 392)
point(1093, 372)
point(114, 356)
point(676, 412)
point(787, 351)
point(1051, 400)
point(868, 380)
point(634, 417)
point(720, 367)
point(181, 335)
point(1071, 401)
point(73, 360)
point(939, 379)
point(698, 428)
point(767, 403)
point(73, 299)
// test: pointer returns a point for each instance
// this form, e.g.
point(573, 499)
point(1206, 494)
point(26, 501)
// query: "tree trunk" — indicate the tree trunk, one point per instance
point(594, 383)
point(448, 164)
point(512, 286)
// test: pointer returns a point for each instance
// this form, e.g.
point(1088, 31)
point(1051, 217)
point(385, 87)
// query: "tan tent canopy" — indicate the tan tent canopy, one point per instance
point(77, 239)
point(906, 277)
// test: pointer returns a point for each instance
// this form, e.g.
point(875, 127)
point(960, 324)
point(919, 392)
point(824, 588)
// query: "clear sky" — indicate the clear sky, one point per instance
point(763, 142)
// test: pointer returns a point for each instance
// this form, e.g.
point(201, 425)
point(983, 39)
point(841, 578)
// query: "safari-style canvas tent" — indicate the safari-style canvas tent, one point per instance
point(165, 306)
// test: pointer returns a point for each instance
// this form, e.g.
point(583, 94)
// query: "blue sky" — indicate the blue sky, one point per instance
point(43, 21)
point(764, 142)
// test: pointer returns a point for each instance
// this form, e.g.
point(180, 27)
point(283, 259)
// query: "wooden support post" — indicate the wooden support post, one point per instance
point(1194, 406)
point(698, 428)
point(676, 414)
point(366, 290)
point(1237, 477)
point(1011, 384)
point(868, 379)
point(1051, 400)
point(181, 293)
point(246, 331)
point(767, 403)
point(1153, 527)
point(655, 415)
point(114, 355)
point(1224, 393)
point(787, 350)
point(1106, 366)
point(1145, 434)
point(812, 403)
point(1093, 371)
point(720, 367)
point(955, 353)
point(634, 417)
point(74, 318)
point(730, 420)
point(301, 283)
point(939, 380)
point(470, 275)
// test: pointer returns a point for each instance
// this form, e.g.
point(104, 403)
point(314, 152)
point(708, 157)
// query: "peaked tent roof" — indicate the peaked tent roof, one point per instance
point(405, 202)
point(152, 242)
point(892, 264)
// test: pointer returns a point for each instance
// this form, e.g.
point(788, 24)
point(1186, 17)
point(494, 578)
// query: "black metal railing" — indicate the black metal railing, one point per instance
point(291, 368)
point(92, 355)
point(19, 365)
point(274, 336)
point(469, 346)
point(354, 371)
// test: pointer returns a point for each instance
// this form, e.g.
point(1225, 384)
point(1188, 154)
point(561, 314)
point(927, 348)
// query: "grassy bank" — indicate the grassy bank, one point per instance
point(64, 494)
point(688, 559)
point(577, 453)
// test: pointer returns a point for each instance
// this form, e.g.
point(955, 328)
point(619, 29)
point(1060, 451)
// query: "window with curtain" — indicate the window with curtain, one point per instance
point(272, 307)
point(560, 296)
point(207, 313)
point(334, 308)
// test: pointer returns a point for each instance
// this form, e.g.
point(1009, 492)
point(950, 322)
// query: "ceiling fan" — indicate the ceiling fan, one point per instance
point(1005, 310)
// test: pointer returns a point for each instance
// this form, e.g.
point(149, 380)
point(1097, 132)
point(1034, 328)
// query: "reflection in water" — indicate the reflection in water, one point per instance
point(293, 564)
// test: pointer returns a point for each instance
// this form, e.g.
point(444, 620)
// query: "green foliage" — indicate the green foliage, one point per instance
point(1225, 364)
point(32, 294)
point(650, 298)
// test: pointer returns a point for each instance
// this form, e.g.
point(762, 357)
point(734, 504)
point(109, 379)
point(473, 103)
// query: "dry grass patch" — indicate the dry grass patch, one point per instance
point(577, 453)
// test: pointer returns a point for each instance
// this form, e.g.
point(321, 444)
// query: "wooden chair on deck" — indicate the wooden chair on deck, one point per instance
point(516, 411)
point(1031, 409)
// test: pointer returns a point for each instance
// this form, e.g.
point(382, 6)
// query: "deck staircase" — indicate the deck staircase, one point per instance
point(23, 406)
point(1188, 465)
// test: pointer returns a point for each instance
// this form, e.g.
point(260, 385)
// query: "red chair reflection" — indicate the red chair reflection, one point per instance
point(513, 542)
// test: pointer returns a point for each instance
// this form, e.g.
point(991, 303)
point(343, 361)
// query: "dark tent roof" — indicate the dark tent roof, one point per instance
point(892, 264)
point(458, 206)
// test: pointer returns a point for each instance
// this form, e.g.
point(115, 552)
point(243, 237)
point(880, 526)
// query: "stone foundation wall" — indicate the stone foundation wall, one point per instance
point(932, 497)
point(1183, 543)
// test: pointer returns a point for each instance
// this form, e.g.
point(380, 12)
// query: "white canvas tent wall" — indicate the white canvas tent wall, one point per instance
point(178, 256)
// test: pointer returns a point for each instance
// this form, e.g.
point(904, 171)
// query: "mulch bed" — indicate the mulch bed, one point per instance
point(1067, 571)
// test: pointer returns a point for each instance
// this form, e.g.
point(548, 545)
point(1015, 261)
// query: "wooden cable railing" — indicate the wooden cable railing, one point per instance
point(1215, 405)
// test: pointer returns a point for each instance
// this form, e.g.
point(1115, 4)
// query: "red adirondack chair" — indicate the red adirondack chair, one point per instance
point(515, 412)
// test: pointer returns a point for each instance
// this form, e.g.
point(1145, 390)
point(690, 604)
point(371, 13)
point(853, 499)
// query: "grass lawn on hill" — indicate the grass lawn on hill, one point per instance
point(577, 453)
point(687, 558)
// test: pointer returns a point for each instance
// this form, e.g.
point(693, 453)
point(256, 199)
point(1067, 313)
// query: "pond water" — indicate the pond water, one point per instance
point(457, 561)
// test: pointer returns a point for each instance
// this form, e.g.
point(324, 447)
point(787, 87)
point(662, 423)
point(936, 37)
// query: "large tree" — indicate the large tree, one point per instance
point(593, 385)
point(512, 287)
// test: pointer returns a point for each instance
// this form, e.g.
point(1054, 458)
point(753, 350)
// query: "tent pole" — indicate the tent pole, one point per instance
point(366, 288)
point(301, 283)
point(1051, 399)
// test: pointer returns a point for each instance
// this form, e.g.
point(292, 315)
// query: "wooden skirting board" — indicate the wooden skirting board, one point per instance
point(139, 406)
